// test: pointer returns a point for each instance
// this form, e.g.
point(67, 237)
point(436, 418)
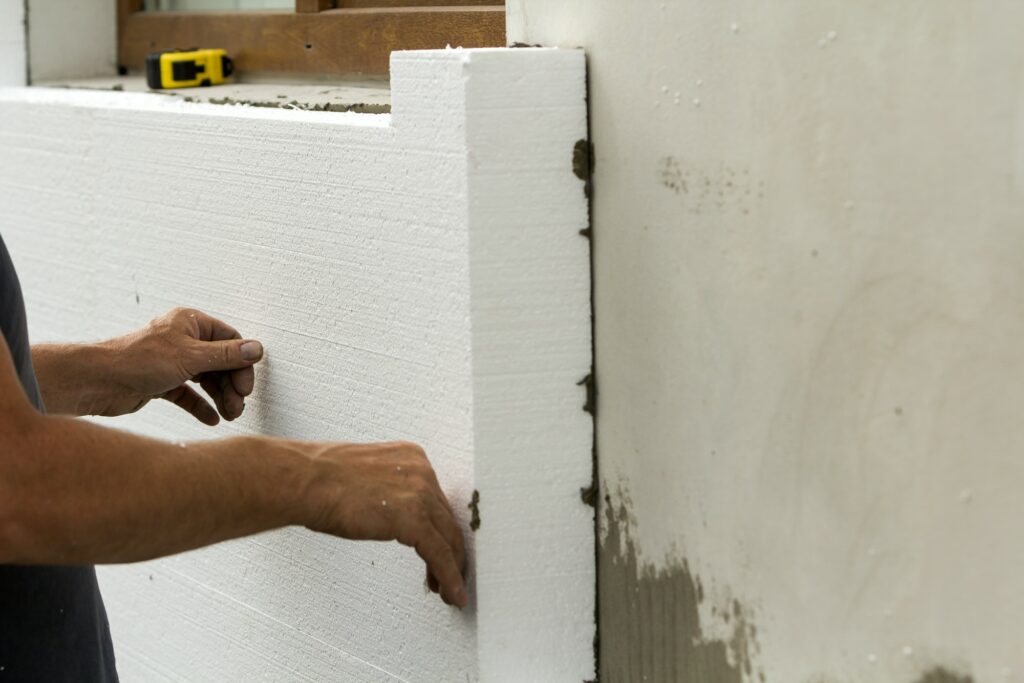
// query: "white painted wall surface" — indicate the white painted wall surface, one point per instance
point(809, 244)
point(414, 276)
point(71, 38)
point(12, 43)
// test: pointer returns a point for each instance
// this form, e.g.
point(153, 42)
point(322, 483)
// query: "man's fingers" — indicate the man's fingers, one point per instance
point(213, 329)
point(234, 404)
point(444, 522)
point(243, 381)
point(218, 347)
point(218, 386)
point(231, 354)
point(211, 386)
point(187, 399)
point(432, 547)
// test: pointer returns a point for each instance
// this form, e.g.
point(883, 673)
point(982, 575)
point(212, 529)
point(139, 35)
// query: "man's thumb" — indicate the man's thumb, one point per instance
point(231, 354)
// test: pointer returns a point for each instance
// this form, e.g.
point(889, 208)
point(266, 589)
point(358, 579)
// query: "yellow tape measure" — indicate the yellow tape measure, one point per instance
point(187, 68)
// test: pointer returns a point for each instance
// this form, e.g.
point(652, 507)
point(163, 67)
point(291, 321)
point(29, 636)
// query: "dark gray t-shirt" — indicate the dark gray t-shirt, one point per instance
point(53, 626)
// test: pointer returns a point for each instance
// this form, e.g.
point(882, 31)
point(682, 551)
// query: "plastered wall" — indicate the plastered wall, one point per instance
point(808, 254)
point(70, 38)
point(418, 275)
point(12, 43)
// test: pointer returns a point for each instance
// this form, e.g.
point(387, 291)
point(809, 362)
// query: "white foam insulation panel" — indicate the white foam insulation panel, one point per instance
point(416, 275)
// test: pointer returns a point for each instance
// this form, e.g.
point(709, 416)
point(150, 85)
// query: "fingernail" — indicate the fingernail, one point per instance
point(461, 599)
point(252, 350)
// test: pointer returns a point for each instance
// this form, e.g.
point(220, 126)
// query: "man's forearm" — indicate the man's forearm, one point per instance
point(74, 379)
point(111, 496)
point(72, 492)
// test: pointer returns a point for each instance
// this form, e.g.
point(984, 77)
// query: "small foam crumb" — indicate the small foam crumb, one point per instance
point(384, 503)
point(734, 27)
point(908, 651)
point(872, 658)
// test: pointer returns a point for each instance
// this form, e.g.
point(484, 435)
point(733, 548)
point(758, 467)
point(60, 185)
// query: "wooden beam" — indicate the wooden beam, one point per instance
point(321, 5)
point(125, 8)
point(343, 41)
point(315, 5)
point(351, 4)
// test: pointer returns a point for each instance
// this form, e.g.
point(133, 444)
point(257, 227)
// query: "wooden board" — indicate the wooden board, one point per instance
point(321, 5)
point(12, 43)
point(357, 40)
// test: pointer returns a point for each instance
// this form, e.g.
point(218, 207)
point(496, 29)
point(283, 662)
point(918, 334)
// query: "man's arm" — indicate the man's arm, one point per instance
point(121, 375)
point(72, 492)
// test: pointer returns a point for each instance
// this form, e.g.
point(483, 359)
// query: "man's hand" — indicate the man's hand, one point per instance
point(146, 498)
point(385, 492)
point(182, 345)
point(122, 375)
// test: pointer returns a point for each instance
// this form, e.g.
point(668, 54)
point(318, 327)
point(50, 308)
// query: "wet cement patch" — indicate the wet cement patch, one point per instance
point(650, 621)
point(474, 510)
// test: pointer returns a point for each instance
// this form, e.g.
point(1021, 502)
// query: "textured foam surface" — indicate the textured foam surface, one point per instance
point(417, 275)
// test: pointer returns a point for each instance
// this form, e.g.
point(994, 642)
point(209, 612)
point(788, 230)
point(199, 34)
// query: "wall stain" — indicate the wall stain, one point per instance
point(712, 189)
point(943, 675)
point(650, 619)
point(937, 674)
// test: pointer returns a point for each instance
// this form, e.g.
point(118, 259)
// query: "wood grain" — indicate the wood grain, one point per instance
point(314, 5)
point(321, 5)
point(347, 4)
point(342, 41)
point(125, 9)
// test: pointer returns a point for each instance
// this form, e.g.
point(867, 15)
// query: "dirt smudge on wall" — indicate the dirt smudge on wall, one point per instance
point(711, 190)
point(650, 619)
point(943, 675)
